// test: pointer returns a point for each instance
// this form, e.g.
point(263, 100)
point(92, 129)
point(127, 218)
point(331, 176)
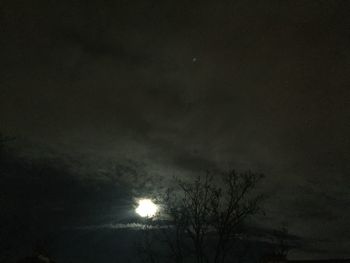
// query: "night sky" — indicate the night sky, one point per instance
point(108, 100)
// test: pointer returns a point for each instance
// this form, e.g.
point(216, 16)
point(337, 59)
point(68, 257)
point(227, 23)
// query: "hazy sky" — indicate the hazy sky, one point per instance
point(152, 89)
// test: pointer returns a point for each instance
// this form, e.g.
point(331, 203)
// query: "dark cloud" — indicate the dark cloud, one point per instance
point(114, 85)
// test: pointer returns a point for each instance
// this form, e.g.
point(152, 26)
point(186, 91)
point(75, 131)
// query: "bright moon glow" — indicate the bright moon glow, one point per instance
point(146, 208)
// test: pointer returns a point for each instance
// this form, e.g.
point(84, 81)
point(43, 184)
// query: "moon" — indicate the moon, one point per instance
point(146, 208)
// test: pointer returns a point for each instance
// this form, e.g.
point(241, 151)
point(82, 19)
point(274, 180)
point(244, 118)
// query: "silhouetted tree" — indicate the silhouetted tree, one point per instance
point(282, 245)
point(146, 249)
point(205, 216)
